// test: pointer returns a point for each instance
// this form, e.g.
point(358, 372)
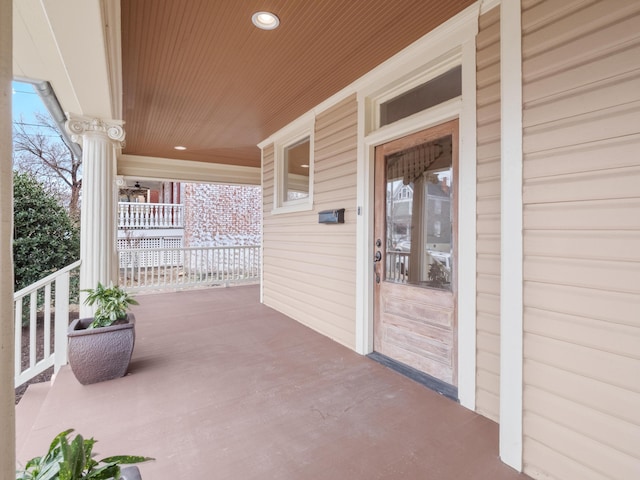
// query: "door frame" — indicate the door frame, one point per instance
point(449, 128)
point(465, 112)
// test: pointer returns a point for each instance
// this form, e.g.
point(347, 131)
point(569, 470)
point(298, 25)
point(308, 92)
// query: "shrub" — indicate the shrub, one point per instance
point(45, 238)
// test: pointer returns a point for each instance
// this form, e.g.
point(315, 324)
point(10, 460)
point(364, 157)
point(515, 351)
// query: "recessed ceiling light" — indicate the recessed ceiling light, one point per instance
point(304, 165)
point(265, 20)
point(180, 147)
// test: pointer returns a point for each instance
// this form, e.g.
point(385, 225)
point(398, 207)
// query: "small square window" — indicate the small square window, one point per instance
point(294, 172)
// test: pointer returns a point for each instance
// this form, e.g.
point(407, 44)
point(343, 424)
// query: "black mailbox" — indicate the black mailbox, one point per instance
point(331, 216)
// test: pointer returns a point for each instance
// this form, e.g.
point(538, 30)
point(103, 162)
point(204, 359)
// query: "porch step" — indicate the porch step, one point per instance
point(28, 409)
point(59, 397)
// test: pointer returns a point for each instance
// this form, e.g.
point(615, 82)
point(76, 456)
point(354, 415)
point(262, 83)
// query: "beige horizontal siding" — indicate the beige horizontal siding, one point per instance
point(267, 178)
point(309, 268)
point(488, 216)
point(581, 93)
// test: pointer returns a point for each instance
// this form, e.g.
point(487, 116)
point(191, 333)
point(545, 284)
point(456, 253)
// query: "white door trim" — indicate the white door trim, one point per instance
point(463, 108)
point(511, 250)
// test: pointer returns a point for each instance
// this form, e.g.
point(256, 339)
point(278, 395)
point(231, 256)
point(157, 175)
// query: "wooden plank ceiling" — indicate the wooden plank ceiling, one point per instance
point(197, 73)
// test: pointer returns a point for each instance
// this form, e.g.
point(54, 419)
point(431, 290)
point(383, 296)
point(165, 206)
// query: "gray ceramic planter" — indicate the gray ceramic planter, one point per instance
point(130, 473)
point(100, 354)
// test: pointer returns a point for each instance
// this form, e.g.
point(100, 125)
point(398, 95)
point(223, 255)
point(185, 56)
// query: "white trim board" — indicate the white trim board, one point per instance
point(467, 237)
point(511, 248)
point(187, 171)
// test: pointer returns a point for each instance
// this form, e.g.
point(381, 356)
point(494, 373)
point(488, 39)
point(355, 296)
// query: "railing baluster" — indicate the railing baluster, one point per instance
point(186, 258)
point(228, 265)
point(218, 265)
point(33, 327)
point(61, 320)
point(18, 335)
point(47, 320)
point(170, 262)
point(157, 219)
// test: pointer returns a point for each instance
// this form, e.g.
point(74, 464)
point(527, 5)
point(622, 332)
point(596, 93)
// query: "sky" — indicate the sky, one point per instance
point(26, 101)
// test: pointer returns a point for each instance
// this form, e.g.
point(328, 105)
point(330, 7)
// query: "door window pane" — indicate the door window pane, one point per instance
point(419, 215)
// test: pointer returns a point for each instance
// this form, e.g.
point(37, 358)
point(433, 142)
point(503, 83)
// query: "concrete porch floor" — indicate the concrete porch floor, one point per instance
point(222, 387)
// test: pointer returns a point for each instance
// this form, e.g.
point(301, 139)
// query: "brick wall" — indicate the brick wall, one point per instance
point(218, 215)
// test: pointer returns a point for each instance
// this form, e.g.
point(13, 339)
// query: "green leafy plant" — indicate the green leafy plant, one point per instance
point(112, 304)
point(45, 238)
point(73, 460)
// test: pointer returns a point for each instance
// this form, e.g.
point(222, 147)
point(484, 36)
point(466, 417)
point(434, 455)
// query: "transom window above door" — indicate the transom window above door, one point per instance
point(433, 92)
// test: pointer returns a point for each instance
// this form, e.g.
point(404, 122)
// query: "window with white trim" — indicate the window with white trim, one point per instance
point(294, 172)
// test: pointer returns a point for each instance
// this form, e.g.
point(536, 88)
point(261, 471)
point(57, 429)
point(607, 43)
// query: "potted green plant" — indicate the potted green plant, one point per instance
point(100, 347)
point(74, 461)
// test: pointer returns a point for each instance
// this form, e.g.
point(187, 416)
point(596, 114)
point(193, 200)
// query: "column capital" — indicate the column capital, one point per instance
point(79, 126)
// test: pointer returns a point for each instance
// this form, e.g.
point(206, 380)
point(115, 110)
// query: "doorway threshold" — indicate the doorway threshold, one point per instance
point(422, 378)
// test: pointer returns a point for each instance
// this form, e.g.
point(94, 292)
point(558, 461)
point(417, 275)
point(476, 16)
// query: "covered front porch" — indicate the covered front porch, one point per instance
point(222, 386)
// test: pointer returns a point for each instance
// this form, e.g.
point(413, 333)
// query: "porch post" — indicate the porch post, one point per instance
point(101, 141)
point(7, 342)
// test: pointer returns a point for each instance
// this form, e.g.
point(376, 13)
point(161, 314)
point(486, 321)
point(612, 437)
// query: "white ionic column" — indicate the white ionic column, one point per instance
point(101, 141)
point(7, 409)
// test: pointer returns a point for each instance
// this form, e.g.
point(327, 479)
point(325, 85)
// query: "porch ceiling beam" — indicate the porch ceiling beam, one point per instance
point(187, 171)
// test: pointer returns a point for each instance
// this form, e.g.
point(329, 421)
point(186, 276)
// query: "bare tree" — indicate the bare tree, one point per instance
point(41, 150)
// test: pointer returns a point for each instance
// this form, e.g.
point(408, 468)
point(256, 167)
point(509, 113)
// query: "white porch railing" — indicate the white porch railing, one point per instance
point(175, 268)
point(56, 287)
point(150, 215)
